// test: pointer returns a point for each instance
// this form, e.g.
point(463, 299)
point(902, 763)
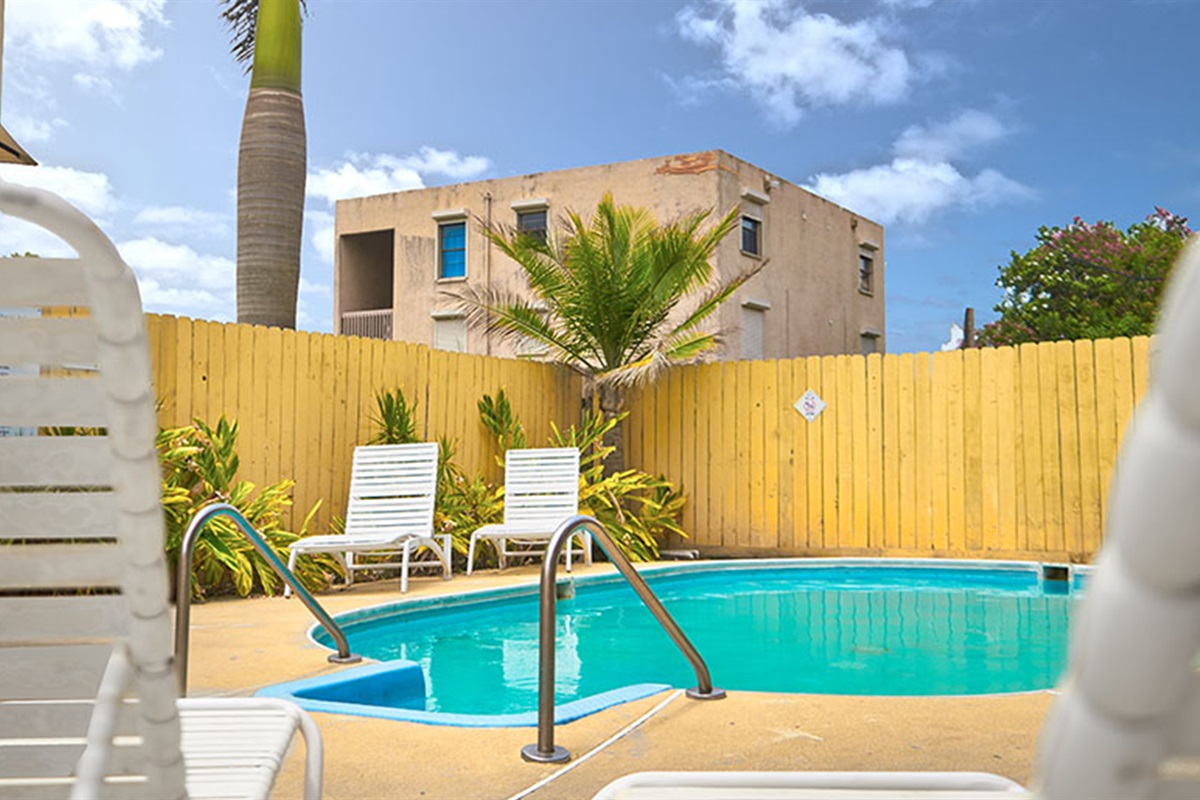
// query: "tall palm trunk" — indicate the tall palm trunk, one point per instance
point(611, 401)
point(272, 161)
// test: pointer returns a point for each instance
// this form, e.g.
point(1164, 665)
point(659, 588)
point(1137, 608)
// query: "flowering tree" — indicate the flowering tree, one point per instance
point(1087, 281)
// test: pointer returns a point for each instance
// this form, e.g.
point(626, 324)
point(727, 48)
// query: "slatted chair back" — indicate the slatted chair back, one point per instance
point(83, 581)
point(1127, 724)
point(541, 487)
point(393, 488)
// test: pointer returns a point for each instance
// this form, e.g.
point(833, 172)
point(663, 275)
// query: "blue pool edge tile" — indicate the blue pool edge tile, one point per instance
point(297, 691)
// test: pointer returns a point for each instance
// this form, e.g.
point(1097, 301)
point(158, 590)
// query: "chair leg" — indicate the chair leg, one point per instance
point(501, 552)
point(287, 590)
point(408, 545)
point(587, 549)
point(471, 554)
point(348, 564)
point(446, 551)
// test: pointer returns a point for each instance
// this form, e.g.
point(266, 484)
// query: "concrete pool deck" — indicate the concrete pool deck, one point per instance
point(241, 645)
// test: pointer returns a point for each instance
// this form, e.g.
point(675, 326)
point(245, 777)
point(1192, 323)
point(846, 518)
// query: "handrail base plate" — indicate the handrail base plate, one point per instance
point(530, 752)
point(696, 694)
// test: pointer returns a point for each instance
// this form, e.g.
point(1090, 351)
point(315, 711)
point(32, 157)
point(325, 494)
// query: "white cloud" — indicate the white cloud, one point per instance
point(322, 232)
point(911, 191)
point(181, 220)
point(361, 175)
point(90, 192)
point(311, 287)
point(95, 37)
point(27, 130)
point(922, 179)
point(431, 161)
point(951, 139)
point(791, 60)
point(175, 279)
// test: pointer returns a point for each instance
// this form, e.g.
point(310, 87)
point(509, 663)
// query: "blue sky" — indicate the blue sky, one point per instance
point(961, 126)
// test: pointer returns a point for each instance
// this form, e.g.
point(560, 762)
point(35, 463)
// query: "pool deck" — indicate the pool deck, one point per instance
point(241, 645)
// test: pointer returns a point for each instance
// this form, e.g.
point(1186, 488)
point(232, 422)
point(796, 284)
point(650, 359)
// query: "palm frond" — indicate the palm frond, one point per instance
point(241, 18)
point(608, 289)
point(514, 318)
point(717, 295)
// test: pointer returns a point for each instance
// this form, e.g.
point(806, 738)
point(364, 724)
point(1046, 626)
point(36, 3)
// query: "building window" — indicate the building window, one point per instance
point(753, 320)
point(452, 250)
point(868, 342)
point(752, 236)
point(532, 223)
point(866, 274)
point(450, 332)
point(754, 324)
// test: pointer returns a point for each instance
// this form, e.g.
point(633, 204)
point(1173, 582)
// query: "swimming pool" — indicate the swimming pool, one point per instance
point(804, 626)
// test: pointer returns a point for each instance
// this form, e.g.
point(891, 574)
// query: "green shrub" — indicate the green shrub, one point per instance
point(397, 420)
point(200, 466)
point(464, 503)
point(636, 509)
point(497, 416)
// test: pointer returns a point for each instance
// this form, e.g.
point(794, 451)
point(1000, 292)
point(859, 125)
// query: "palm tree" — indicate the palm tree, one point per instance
point(271, 160)
point(608, 297)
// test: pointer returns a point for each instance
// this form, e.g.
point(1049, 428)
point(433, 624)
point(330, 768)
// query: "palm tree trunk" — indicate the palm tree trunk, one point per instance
point(272, 162)
point(612, 402)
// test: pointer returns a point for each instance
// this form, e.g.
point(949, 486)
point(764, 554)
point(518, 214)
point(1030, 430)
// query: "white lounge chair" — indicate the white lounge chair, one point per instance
point(89, 703)
point(1127, 724)
point(393, 489)
point(541, 489)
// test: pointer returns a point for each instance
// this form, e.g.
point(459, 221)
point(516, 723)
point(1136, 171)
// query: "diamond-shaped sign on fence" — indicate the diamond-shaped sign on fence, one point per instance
point(810, 405)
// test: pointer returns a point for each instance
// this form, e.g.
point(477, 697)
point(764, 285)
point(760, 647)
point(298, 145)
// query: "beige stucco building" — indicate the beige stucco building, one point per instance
point(401, 256)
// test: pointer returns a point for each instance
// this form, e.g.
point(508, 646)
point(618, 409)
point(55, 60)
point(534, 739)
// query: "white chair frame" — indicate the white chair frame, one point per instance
point(89, 704)
point(541, 489)
point(393, 492)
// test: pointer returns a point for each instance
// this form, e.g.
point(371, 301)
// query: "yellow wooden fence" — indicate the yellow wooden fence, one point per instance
point(304, 400)
point(991, 453)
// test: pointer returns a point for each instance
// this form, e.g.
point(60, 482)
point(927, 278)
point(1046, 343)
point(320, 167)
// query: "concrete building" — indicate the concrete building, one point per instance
point(400, 256)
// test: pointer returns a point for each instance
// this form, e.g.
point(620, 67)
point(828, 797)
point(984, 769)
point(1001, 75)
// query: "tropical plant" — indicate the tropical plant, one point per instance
point(617, 297)
point(396, 422)
point(464, 503)
point(636, 509)
point(272, 159)
point(497, 416)
point(200, 466)
point(1087, 281)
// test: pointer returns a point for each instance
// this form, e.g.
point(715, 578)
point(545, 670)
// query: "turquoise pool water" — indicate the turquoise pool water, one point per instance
point(865, 630)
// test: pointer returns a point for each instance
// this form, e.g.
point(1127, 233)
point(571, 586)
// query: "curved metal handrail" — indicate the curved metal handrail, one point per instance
point(183, 588)
point(545, 750)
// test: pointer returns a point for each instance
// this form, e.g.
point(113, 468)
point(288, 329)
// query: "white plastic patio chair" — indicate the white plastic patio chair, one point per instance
point(541, 489)
point(88, 688)
point(393, 489)
point(1127, 724)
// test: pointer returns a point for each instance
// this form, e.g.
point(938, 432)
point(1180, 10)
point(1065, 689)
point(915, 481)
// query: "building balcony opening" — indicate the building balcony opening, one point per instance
point(366, 267)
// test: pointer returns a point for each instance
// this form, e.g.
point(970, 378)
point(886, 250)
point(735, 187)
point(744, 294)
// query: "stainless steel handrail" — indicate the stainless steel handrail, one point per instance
point(545, 750)
point(183, 588)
